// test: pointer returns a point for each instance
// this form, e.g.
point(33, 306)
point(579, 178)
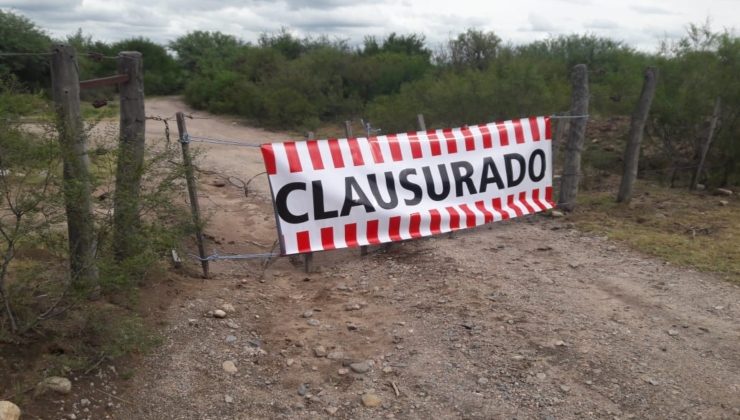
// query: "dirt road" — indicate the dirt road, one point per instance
point(523, 319)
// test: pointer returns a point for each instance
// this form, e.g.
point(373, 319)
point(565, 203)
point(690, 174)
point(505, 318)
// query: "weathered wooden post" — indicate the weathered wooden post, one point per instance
point(131, 147)
point(192, 189)
point(576, 138)
point(421, 122)
point(65, 82)
point(308, 257)
point(708, 142)
point(637, 127)
point(348, 134)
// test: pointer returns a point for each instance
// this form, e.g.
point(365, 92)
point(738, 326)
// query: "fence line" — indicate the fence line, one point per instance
point(239, 143)
point(218, 257)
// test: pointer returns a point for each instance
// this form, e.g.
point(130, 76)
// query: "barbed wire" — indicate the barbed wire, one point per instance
point(231, 142)
point(568, 117)
point(218, 257)
point(23, 54)
point(90, 54)
point(226, 142)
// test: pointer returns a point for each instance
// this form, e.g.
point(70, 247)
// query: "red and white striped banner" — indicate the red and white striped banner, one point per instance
point(340, 193)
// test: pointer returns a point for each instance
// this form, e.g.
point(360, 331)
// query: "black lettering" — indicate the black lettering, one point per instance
point(390, 185)
point(430, 183)
point(408, 185)
point(461, 178)
point(281, 201)
point(319, 213)
point(490, 175)
point(543, 165)
point(350, 188)
point(510, 180)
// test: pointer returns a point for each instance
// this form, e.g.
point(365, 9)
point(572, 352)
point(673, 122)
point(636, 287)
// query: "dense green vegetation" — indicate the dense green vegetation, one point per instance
point(286, 82)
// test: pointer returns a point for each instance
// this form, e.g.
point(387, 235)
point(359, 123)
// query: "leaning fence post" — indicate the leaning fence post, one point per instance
point(65, 82)
point(707, 143)
point(576, 137)
point(131, 148)
point(637, 126)
point(192, 191)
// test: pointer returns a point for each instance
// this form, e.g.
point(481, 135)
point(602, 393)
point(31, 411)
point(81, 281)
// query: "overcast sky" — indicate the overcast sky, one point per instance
point(641, 23)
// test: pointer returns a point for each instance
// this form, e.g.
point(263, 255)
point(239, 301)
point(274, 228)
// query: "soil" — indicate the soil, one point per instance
point(524, 319)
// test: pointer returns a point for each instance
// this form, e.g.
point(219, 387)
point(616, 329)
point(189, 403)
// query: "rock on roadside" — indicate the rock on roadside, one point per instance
point(229, 367)
point(360, 367)
point(9, 411)
point(54, 383)
point(371, 400)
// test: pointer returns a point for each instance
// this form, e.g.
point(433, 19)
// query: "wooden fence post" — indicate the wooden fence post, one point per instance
point(422, 123)
point(637, 127)
point(348, 134)
point(308, 257)
point(192, 189)
point(707, 143)
point(131, 147)
point(65, 82)
point(576, 138)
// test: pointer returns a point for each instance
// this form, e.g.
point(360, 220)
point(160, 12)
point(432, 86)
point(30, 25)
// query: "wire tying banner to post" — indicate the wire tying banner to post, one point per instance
point(339, 193)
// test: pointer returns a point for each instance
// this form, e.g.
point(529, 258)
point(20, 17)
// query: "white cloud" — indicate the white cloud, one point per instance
point(539, 23)
point(518, 22)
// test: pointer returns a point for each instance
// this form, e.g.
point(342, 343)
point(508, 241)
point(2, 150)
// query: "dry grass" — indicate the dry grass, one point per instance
point(688, 229)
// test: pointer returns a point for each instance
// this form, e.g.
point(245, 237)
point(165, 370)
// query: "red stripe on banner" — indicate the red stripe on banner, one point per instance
point(313, 151)
point(548, 128)
point(496, 202)
point(469, 216)
point(510, 204)
point(503, 134)
point(434, 143)
point(350, 235)
point(294, 161)
point(415, 225)
point(534, 128)
point(375, 148)
point(394, 228)
point(518, 131)
point(454, 218)
point(487, 140)
point(523, 199)
point(415, 145)
point(268, 155)
point(372, 232)
point(435, 222)
point(536, 199)
point(327, 238)
point(354, 148)
point(304, 241)
point(487, 215)
point(336, 153)
point(548, 196)
point(469, 139)
point(450, 140)
point(395, 147)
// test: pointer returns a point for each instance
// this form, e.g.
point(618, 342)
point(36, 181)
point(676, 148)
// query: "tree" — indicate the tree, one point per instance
point(200, 47)
point(18, 34)
point(162, 73)
point(473, 48)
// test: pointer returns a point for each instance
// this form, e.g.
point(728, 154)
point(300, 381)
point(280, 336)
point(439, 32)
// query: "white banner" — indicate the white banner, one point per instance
point(340, 193)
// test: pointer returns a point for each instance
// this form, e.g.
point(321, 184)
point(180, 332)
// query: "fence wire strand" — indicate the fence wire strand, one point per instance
point(219, 257)
point(240, 143)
